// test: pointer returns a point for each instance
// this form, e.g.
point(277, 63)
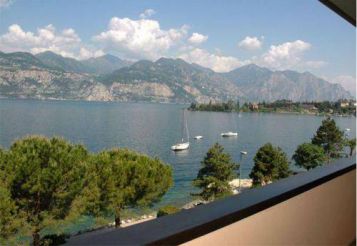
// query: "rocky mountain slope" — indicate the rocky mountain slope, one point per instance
point(259, 84)
point(23, 75)
point(98, 65)
point(48, 75)
point(183, 81)
point(105, 64)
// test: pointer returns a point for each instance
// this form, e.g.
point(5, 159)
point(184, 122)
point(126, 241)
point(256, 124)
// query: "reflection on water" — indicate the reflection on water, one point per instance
point(154, 128)
point(181, 153)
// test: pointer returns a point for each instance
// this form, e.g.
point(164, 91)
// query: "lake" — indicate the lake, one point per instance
point(152, 128)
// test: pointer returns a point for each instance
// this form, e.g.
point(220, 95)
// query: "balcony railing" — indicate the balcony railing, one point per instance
point(315, 207)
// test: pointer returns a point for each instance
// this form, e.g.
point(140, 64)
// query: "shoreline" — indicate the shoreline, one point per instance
point(234, 183)
point(279, 112)
point(168, 103)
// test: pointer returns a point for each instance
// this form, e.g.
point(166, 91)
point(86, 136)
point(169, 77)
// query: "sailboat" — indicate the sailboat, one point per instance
point(229, 134)
point(183, 145)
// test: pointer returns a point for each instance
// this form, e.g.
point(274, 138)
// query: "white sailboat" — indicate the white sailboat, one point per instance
point(229, 134)
point(183, 145)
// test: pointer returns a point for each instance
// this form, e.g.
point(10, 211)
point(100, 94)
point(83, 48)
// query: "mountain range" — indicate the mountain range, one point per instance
point(108, 78)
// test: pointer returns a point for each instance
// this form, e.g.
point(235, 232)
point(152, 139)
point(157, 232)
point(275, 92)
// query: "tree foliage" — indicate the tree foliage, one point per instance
point(11, 219)
point(46, 177)
point(330, 137)
point(282, 105)
point(216, 172)
point(351, 143)
point(45, 183)
point(270, 164)
point(121, 178)
point(309, 156)
point(229, 106)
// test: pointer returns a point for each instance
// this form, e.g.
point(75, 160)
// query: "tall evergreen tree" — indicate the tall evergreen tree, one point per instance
point(309, 156)
point(329, 137)
point(270, 164)
point(46, 176)
point(216, 172)
point(119, 179)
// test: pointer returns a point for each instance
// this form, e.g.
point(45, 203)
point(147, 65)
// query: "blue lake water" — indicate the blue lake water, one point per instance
point(153, 128)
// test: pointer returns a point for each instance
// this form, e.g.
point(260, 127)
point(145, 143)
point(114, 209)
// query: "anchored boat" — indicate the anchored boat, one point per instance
point(184, 144)
point(229, 134)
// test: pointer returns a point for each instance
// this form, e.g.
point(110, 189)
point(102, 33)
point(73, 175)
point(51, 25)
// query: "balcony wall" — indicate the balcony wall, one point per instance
point(315, 207)
point(323, 215)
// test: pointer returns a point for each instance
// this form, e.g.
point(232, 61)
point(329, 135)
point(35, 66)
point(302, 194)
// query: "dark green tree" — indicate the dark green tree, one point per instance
point(12, 221)
point(216, 172)
point(46, 176)
point(309, 156)
point(351, 143)
point(193, 106)
point(119, 179)
point(330, 138)
point(270, 164)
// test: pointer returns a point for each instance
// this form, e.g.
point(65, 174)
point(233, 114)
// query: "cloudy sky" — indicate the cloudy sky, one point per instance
point(300, 35)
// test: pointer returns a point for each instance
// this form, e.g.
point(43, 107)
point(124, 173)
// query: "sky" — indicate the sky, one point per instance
point(301, 35)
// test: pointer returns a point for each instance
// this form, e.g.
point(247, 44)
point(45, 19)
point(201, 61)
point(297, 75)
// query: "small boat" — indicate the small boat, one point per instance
point(198, 137)
point(229, 134)
point(183, 145)
point(347, 129)
point(180, 146)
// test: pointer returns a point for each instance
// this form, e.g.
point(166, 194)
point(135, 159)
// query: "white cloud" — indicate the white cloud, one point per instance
point(139, 38)
point(66, 42)
point(197, 38)
point(145, 39)
point(348, 82)
point(250, 43)
point(216, 62)
point(147, 13)
point(284, 56)
point(5, 3)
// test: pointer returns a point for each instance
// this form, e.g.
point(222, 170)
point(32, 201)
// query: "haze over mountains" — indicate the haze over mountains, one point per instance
point(108, 78)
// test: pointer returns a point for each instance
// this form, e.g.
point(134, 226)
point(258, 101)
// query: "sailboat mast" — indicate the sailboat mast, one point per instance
point(187, 132)
point(183, 126)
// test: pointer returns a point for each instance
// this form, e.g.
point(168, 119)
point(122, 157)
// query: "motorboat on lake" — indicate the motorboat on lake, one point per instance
point(198, 137)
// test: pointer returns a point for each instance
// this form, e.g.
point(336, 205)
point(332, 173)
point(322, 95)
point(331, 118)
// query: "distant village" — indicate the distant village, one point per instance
point(339, 108)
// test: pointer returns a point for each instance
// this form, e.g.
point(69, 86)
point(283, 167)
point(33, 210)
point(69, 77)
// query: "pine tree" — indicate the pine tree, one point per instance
point(216, 172)
point(309, 156)
point(120, 178)
point(270, 164)
point(46, 176)
point(330, 138)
